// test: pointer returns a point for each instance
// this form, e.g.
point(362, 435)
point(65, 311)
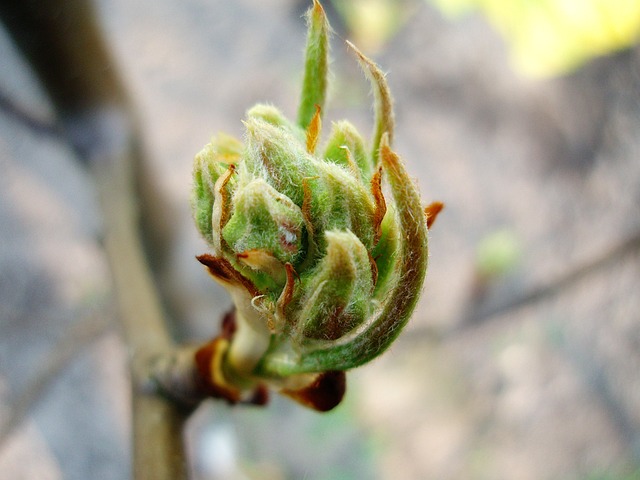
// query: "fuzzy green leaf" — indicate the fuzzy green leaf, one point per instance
point(314, 85)
point(384, 119)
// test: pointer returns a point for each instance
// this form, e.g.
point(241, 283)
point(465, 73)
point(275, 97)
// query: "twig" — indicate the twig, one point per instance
point(477, 314)
point(61, 39)
point(158, 450)
point(37, 125)
point(563, 282)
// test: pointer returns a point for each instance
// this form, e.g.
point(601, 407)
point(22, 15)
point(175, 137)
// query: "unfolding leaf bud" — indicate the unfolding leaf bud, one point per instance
point(346, 148)
point(265, 228)
point(337, 294)
point(323, 267)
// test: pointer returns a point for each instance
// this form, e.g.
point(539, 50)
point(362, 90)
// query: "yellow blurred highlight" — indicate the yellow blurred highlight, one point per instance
point(552, 37)
point(371, 22)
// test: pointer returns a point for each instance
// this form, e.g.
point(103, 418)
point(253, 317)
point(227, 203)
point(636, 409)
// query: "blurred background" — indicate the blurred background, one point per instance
point(522, 360)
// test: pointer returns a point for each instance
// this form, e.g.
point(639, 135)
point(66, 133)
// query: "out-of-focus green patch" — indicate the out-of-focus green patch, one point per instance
point(498, 254)
point(372, 22)
point(634, 475)
point(552, 37)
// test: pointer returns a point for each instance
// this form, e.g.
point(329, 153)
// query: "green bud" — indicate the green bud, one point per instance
point(323, 268)
point(277, 156)
point(265, 229)
point(273, 116)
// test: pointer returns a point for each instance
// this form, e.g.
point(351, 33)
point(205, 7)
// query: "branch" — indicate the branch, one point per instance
point(62, 41)
point(158, 449)
point(477, 313)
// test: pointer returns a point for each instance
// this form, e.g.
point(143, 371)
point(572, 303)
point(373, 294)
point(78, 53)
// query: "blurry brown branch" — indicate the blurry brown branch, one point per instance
point(476, 313)
point(479, 311)
point(158, 450)
point(41, 127)
point(63, 44)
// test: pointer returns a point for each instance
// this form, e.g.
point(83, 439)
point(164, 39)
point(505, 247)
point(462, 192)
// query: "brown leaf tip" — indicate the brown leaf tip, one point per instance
point(325, 393)
point(431, 211)
point(222, 270)
point(317, 8)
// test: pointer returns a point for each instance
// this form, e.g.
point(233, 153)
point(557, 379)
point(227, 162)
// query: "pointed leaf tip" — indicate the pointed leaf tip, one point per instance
point(384, 118)
point(431, 211)
point(314, 85)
